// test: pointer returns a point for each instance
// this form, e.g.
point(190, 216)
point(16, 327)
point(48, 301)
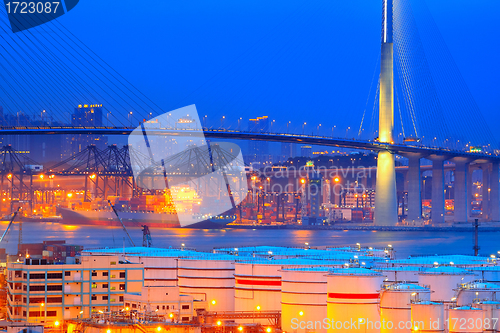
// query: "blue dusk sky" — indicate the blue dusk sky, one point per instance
point(294, 60)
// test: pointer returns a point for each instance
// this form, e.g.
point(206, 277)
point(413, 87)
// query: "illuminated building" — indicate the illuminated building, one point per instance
point(162, 301)
point(87, 115)
point(258, 151)
point(40, 291)
point(306, 151)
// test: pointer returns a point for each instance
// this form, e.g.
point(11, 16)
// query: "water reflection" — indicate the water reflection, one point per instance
point(405, 243)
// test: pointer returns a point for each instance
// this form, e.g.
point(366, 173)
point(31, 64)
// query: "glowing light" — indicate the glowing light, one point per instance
point(41, 176)
point(214, 302)
point(92, 176)
point(171, 315)
point(219, 323)
point(70, 195)
point(301, 313)
point(240, 328)
point(43, 304)
point(108, 331)
point(9, 175)
point(268, 330)
point(258, 307)
point(158, 328)
point(56, 323)
point(126, 309)
point(302, 181)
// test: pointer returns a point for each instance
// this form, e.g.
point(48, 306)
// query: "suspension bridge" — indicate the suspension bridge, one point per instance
point(436, 115)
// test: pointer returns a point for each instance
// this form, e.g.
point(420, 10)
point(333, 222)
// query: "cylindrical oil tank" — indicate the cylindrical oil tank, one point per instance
point(158, 271)
point(353, 300)
point(477, 291)
point(487, 273)
point(443, 281)
point(465, 319)
point(427, 317)
point(258, 281)
point(208, 278)
point(395, 305)
point(491, 313)
point(304, 291)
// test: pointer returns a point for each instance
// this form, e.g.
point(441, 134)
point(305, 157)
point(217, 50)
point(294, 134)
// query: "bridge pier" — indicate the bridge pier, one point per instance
point(462, 203)
point(414, 195)
point(494, 193)
point(386, 210)
point(437, 189)
point(485, 192)
point(470, 193)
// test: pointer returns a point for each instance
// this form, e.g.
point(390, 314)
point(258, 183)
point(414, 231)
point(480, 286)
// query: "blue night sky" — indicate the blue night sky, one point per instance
point(293, 60)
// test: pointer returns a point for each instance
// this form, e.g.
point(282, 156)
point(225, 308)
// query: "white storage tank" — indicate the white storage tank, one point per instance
point(303, 299)
point(465, 319)
point(491, 313)
point(427, 317)
point(353, 299)
point(444, 280)
point(395, 305)
point(258, 281)
point(477, 291)
point(209, 278)
point(488, 274)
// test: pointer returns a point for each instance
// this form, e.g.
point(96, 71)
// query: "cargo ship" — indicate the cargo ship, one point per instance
point(137, 219)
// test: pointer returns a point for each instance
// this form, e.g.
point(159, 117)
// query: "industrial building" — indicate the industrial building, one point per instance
point(41, 291)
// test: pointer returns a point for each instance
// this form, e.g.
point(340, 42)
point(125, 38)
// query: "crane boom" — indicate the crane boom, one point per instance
point(10, 223)
point(123, 225)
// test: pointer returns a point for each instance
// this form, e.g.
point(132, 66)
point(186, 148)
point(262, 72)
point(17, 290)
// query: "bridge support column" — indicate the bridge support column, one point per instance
point(470, 193)
point(437, 189)
point(485, 192)
point(495, 192)
point(414, 195)
point(386, 210)
point(461, 203)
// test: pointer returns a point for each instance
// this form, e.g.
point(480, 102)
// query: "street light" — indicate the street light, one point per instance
point(303, 125)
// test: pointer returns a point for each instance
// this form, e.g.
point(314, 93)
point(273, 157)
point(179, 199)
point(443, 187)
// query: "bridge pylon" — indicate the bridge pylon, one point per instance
point(386, 210)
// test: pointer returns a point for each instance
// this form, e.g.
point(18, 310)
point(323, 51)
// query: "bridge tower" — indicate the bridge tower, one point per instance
point(386, 210)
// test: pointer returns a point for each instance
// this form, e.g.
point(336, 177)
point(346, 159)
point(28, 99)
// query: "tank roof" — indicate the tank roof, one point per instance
point(142, 251)
point(210, 256)
point(308, 269)
point(466, 308)
point(446, 270)
point(399, 269)
point(405, 286)
point(480, 285)
point(426, 303)
point(287, 262)
point(354, 271)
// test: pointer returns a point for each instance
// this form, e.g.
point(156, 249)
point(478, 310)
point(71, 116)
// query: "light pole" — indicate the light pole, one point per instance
point(239, 124)
point(130, 118)
point(317, 130)
point(222, 122)
point(347, 131)
point(205, 121)
point(303, 126)
point(287, 126)
point(333, 128)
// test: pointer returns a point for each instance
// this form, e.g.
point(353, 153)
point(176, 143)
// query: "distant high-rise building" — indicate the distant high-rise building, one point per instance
point(306, 151)
point(88, 115)
point(287, 151)
point(258, 151)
